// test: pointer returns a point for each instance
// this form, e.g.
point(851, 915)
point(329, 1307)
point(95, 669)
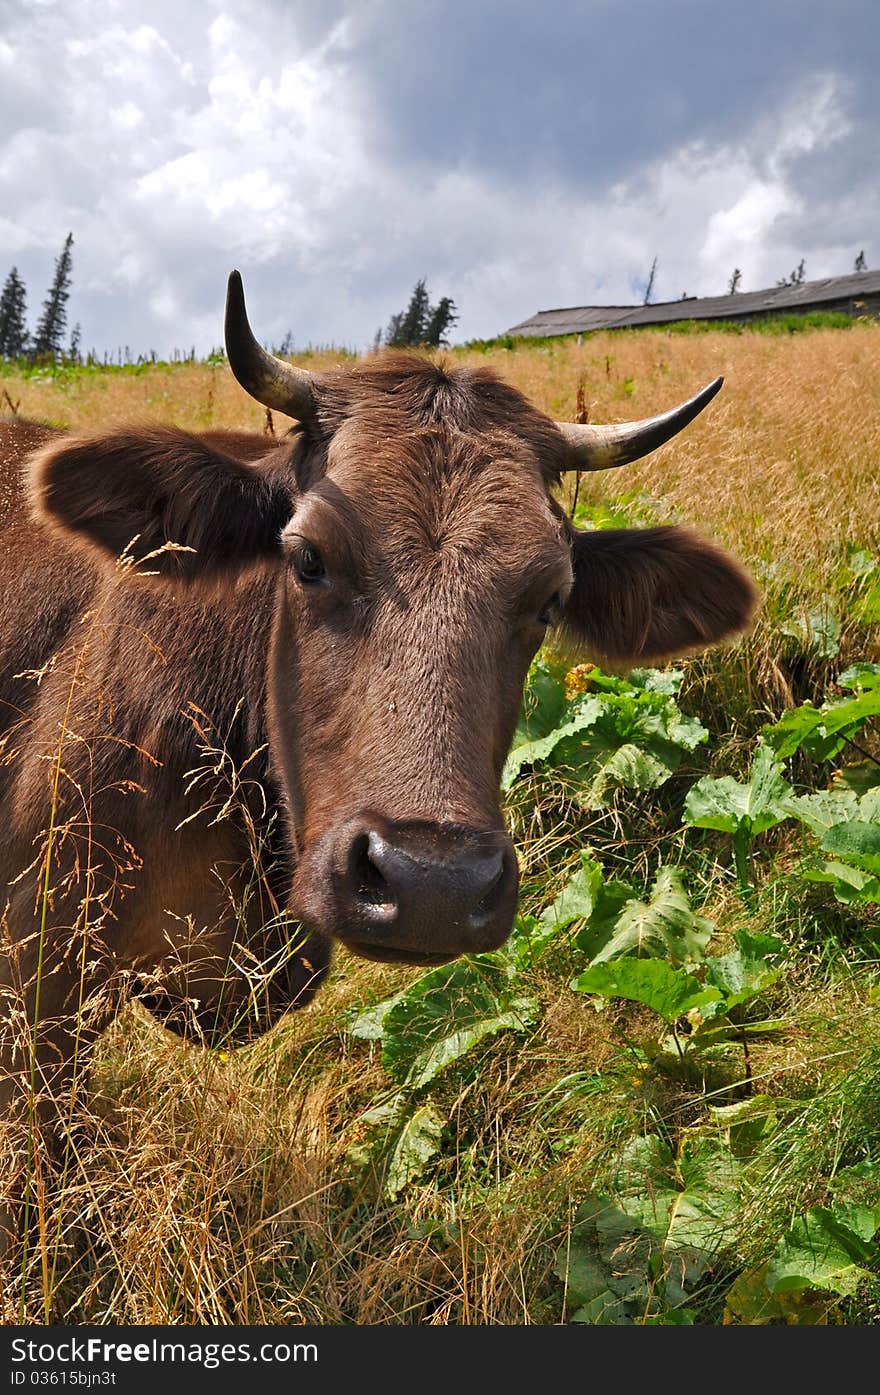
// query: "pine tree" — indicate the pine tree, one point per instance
point(411, 330)
point(392, 333)
point(860, 263)
point(735, 279)
point(13, 325)
point(421, 322)
point(442, 318)
point(49, 334)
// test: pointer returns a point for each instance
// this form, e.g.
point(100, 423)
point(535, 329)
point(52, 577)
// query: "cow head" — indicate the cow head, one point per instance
point(421, 560)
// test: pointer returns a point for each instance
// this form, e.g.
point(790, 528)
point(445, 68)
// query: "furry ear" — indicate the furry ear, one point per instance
point(642, 595)
point(161, 487)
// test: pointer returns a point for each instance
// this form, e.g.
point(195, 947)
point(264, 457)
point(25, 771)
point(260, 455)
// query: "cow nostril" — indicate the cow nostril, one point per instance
point(366, 877)
point(488, 902)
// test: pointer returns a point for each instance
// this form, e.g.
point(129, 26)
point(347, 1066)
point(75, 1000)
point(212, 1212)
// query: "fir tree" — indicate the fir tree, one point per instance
point(13, 324)
point(860, 264)
point(421, 322)
point(411, 329)
point(733, 285)
point(442, 318)
point(49, 334)
point(392, 333)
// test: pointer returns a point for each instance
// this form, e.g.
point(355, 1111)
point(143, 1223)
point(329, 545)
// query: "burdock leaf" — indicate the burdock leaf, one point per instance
point(727, 805)
point(667, 991)
point(445, 1014)
point(416, 1144)
point(825, 1249)
point(663, 926)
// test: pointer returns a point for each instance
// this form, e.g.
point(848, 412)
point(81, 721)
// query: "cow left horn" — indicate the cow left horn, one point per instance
point(603, 447)
point(268, 379)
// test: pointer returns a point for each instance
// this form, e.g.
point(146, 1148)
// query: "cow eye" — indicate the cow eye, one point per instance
point(550, 613)
point(309, 563)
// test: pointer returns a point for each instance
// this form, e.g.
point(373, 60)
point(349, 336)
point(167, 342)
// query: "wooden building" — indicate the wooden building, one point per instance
point(856, 294)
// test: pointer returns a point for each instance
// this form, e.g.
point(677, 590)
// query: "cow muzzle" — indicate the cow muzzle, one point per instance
point(417, 892)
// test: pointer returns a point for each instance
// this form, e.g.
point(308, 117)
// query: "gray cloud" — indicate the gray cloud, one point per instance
point(517, 156)
point(591, 92)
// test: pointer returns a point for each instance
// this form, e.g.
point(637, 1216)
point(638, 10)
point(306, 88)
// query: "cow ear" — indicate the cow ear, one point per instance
point(172, 503)
point(644, 595)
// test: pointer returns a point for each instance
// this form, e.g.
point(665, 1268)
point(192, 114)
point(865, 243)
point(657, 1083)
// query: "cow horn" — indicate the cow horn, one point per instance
point(604, 447)
point(268, 379)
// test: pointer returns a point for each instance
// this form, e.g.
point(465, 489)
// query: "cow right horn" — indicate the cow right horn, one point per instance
point(606, 447)
point(268, 379)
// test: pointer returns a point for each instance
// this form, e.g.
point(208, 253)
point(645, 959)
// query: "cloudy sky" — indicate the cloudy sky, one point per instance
point(518, 156)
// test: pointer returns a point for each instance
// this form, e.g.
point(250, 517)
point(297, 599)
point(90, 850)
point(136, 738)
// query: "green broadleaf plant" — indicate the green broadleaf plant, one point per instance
point(742, 809)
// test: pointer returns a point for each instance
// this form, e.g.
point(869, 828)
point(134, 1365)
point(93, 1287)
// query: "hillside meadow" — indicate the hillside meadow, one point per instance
point(660, 1103)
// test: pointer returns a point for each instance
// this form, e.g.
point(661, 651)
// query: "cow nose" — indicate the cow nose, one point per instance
point(430, 894)
point(393, 873)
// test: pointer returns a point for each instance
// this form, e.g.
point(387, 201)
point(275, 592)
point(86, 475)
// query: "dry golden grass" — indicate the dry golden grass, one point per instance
point(195, 396)
point(784, 464)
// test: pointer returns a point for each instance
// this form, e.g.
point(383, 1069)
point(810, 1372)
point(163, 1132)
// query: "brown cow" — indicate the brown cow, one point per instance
point(280, 720)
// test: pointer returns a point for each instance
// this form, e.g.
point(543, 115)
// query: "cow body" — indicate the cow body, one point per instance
point(280, 720)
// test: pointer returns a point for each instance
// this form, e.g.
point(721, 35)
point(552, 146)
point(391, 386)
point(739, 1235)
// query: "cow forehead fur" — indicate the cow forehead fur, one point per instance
point(385, 400)
point(408, 459)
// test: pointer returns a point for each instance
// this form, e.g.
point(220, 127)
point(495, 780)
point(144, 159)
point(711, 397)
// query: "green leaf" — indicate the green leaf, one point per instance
point(620, 767)
point(663, 926)
point(603, 1311)
point(544, 700)
point(740, 975)
point(528, 940)
point(611, 899)
point(637, 743)
point(729, 806)
point(750, 1302)
point(747, 1124)
point(743, 1111)
point(855, 840)
point(644, 1163)
point(673, 1317)
point(657, 680)
point(860, 777)
point(824, 808)
point(624, 733)
point(758, 944)
point(851, 884)
point(667, 991)
point(794, 730)
point(368, 1024)
point(637, 1255)
point(859, 1183)
point(519, 1016)
point(416, 1144)
point(531, 752)
point(445, 1014)
point(587, 897)
point(827, 1249)
point(822, 731)
point(577, 900)
point(860, 677)
point(818, 629)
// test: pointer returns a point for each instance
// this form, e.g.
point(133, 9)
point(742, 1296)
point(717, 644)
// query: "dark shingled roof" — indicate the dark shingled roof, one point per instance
point(809, 295)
